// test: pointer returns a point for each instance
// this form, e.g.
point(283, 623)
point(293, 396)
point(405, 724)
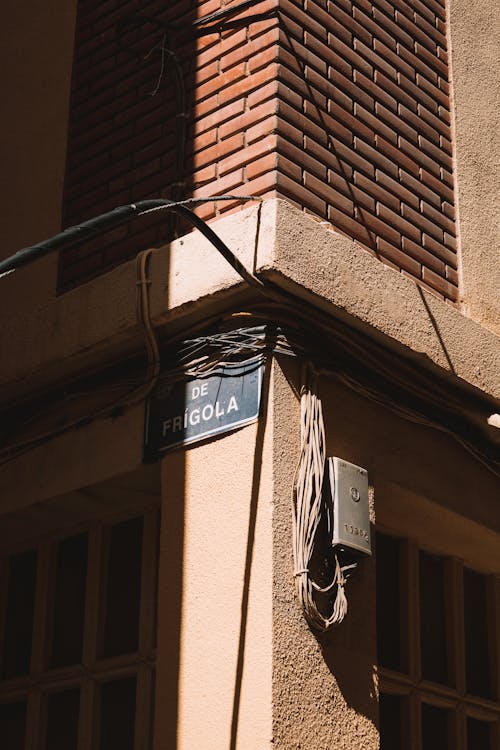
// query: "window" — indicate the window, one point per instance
point(438, 650)
point(77, 638)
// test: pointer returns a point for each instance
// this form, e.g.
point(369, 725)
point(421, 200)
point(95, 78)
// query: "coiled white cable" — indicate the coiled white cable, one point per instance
point(308, 507)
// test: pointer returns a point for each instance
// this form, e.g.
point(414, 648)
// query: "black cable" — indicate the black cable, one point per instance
point(446, 409)
point(331, 357)
point(104, 222)
point(228, 10)
point(136, 19)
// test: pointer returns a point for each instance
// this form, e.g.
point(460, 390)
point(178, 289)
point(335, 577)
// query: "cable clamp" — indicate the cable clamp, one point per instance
point(300, 572)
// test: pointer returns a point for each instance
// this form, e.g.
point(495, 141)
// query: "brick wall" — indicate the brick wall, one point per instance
point(340, 107)
point(121, 140)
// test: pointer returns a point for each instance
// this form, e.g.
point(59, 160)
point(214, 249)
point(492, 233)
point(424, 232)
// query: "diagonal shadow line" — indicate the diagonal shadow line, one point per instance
point(436, 329)
point(257, 236)
point(257, 471)
point(170, 587)
point(358, 209)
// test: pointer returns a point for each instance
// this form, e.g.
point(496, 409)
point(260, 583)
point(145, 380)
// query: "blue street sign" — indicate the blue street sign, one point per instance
point(185, 412)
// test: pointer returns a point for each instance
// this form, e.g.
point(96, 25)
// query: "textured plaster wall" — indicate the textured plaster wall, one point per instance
point(324, 693)
point(36, 53)
point(91, 454)
point(216, 565)
point(475, 49)
point(97, 321)
point(325, 689)
point(405, 460)
point(364, 291)
point(294, 691)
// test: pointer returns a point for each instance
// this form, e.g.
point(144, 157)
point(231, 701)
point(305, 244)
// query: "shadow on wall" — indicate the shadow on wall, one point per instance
point(172, 582)
point(350, 649)
point(132, 90)
point(170, 591)
point(256, 478)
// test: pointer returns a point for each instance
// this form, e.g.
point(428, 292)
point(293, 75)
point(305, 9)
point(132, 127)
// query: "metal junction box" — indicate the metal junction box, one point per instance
point(351, 519)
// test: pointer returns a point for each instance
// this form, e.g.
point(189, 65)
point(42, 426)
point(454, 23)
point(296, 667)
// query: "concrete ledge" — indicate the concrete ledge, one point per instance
point(96, 322)
point(340, 272)
point(97, 452)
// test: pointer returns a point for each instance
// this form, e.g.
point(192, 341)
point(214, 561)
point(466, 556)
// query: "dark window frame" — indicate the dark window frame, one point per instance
point(407, 682)
point(93, 670)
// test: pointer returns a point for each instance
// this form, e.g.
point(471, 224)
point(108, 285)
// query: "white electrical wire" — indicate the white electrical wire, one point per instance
point(308, 507)
point(204, 355)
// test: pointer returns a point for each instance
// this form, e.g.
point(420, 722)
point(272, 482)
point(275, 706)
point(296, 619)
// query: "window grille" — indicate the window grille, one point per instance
point(438, 639)
point(77, 638)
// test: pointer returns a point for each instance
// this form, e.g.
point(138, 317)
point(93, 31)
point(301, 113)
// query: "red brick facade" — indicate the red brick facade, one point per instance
point(342, 107)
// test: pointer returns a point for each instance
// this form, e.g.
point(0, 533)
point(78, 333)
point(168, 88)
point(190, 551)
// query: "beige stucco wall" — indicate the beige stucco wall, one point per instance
point(226, 542)
point(33, 147)
point(318, 264)
point(426, 487)
point(214, 664)
point(36, 53)
point(86, 456)
point(287, 689)
point(295, 690)
point(97, 322)
point(324, 691)
point(475, 60)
